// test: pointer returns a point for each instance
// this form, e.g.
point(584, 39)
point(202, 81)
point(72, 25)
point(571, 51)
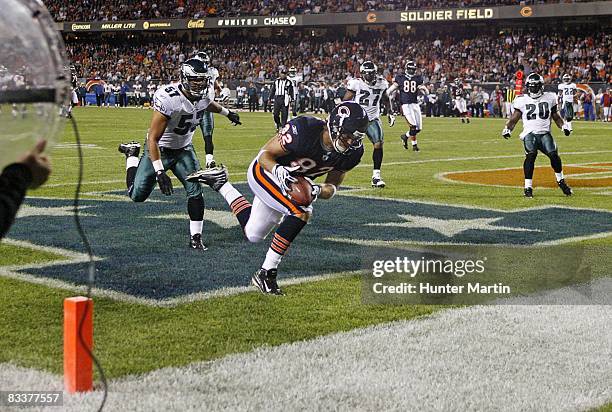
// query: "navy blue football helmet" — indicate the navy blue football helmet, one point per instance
point(347, 126)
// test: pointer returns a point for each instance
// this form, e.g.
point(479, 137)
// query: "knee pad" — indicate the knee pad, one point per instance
point(138, 198)
point(414, 131)
point(253, 235)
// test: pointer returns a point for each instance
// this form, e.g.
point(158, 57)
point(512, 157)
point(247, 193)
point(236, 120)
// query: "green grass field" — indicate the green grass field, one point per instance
point(132, 338)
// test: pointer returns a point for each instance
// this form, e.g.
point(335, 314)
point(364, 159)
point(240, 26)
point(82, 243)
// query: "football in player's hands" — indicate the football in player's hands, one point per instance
point(301, 192)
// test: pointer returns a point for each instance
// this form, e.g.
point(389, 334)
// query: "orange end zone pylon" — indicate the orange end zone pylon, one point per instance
point(78, 369)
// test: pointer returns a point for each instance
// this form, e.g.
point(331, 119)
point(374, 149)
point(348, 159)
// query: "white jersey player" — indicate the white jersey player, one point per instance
point(295, 80)
point(178, 109)
point(567, 94)
point(537, 108)
point(369, 92)
point(207, 123)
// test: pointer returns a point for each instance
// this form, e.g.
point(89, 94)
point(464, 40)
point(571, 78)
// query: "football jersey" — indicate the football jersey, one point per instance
point(536, 113)
point(458, 92)
point(567, 92)
point(214, 75)
point(408, 88)
point(368, 96)
point(295, 80)
point(183, 115)
point(301, 138)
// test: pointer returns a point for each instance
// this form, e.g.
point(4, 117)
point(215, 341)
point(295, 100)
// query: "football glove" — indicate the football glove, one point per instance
point(391, 118)
point(164, 182)
point(316, 189)
point(506, 133)
point(234, 118)
point(283, 175)
point(566, 130)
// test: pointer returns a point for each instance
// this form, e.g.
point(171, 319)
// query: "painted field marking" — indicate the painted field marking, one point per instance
point(572, 171)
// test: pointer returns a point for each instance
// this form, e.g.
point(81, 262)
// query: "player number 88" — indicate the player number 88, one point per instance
point(410, 86)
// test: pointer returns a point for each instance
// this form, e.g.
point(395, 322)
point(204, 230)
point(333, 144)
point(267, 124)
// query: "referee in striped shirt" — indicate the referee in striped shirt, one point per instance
point(282, 90)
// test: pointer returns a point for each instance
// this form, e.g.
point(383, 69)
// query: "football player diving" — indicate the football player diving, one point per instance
point(306, 146)
point(409, 85)
point(369, 91)
point(537, 108)
point(178, 109)
point(207, 124)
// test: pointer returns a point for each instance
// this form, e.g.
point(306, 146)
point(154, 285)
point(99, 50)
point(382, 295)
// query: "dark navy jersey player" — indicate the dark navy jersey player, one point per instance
point(301, 139)
point(408, 88)
point(308, 147)
point(409, 84)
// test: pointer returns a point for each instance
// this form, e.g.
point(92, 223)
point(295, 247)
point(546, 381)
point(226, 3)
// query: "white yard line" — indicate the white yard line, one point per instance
point(513, 357)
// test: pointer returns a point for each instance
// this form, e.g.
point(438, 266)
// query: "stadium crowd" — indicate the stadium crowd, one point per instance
point(481, 57)
point(111, 10)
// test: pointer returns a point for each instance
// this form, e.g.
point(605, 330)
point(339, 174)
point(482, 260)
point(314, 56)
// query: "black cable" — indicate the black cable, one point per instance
point(92, 265)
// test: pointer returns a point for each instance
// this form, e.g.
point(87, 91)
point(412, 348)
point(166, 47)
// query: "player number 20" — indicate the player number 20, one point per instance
point(543, 111)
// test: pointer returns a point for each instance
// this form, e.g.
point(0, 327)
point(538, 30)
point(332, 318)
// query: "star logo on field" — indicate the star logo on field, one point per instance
point(451, 227)
point(28, 211)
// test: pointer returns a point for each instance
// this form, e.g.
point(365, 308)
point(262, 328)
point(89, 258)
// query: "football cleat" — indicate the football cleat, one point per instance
point(130, 149)
point(195, 242)
point(378, 182)
point(567, 191)
point(214, 177)
point(265, 280)
point(528, 192)
point(211, 165)
point(405, 141)
point(415, 148)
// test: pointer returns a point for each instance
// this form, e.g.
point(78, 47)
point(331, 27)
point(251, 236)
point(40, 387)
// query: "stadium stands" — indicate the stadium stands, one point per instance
point(482, 56)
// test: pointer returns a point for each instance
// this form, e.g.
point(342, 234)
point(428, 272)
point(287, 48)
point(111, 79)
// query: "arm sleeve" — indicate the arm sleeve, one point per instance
point(290, 137)
point(518, 105)
point(353, 85)
point(162, 103)
point(14, 182)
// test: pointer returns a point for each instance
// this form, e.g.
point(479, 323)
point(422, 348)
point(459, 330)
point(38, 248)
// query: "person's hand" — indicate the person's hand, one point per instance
point(506, 133)
point(316, 189)
point(234, 118)
point(164, 182)
point(566, 129)
point(39, 164)
point(283, 175)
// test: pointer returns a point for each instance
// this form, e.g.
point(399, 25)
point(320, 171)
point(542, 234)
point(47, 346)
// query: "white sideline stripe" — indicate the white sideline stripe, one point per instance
point(457, 159)
point(113, 181)
point(505, 358)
